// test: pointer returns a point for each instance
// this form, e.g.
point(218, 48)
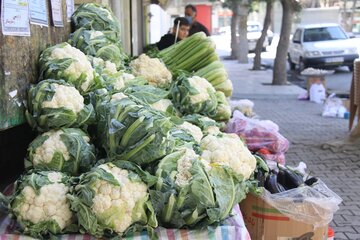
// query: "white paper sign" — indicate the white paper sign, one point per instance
point(15, 17)
point(56, 10)
point(70, 8)
point(38, 12)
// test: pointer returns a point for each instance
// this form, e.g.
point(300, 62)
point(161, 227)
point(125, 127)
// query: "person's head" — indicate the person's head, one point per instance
point(190, 13)
point(184, 27)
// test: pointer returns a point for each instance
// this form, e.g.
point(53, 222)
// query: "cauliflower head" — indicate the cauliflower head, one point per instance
point(120, 199)
point(203, 87)
point(153, 70)
point(67, 97)
point(115, 196)
point(66, 150)
point(63, 61)
point(40, 200)
point(54, 104)
point(228, 150)
point(194, 95)
point(194, 130)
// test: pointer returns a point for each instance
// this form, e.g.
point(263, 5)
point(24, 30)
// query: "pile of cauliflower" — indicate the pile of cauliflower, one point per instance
point(122, 146)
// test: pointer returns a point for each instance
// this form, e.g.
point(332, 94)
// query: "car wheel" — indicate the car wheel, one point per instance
point(292, 65)
point(351, 68)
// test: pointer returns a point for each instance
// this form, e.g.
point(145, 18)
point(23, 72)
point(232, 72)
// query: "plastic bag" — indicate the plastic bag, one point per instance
point(275, 157)
point(314, 205)
point(259, 135)
point(333, 107)
point(317, 93)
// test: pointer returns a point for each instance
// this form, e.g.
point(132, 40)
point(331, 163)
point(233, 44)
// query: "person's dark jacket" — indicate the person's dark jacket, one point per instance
point(198, 27)
point(166, 41)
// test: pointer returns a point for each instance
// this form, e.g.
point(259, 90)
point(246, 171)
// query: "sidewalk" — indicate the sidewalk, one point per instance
point(308, 132)
point(256, 83)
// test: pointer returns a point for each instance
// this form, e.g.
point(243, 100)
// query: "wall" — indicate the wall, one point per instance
point(323, 15)
point(160, 23)
point(18, 67)
point(203, 16)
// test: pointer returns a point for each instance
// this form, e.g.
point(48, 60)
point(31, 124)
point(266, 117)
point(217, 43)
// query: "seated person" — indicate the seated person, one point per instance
point(169, 39)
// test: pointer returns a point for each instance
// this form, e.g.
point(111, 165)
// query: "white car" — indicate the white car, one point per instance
point(253, 34)
point(324, 46)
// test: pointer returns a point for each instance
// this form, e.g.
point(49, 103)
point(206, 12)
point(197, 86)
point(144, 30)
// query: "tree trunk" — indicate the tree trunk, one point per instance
point(260, 42)
point(315, 3)
point(352, 15)
point(344, 16)
point(243, 42)
point(279, 73)
point(234, 22)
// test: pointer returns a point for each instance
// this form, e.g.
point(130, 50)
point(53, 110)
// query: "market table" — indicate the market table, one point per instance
point(232, 228)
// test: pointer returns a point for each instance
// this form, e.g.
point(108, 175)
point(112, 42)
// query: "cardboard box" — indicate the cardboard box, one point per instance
point(346, 103)
point(264, 222)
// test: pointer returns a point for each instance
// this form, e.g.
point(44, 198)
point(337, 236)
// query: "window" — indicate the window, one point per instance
point(297, 36)
point(324, 34)
point(253, 28)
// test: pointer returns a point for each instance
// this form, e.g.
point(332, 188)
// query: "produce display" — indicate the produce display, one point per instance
point(126, 146)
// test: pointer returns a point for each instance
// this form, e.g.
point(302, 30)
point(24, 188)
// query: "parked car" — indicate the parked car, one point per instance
point(253, 34)
point(324, 46)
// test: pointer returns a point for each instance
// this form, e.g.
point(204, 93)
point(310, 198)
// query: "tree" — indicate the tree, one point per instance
point(234, 6)
point(289, 7)
point(353, 8)
point(310, 3)
point(260, 41)
point(243, 49)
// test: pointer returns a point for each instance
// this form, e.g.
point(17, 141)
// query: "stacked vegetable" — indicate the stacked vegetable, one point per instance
point(127, 145)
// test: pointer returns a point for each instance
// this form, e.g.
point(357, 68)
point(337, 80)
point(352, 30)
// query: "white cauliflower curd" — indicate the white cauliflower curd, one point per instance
point(118, 200)
point(161, 105)
point(47, 203)
point(81, 64)
point(45, 152)
point(152, 69)
point(194, 130)
point(183, 174)
point(202, 86)
point(67, 97)
point(228, 150)
point(118, 96)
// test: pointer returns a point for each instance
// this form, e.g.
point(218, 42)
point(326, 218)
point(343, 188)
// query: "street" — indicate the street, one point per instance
point(338, 83)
